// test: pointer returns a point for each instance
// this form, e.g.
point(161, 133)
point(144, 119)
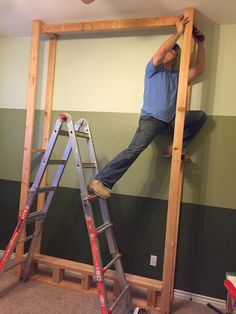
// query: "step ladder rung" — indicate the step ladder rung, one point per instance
point(118, 299)
point(14, 265)
point(90, 197)
point(82, 134)
point(46, 189)
point(63, 133)
point(89, 164)
point(35, 217)
point(112, 262)
point(56, 162)
point(102, 228)
point(77, 133)
point(26, 239)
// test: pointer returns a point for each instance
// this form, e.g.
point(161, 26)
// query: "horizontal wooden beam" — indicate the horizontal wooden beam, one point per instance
point(140, 23)
point(67, 265)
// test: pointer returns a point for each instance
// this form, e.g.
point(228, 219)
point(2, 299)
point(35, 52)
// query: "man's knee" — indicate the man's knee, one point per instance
point(196, 116)
point(203, 117)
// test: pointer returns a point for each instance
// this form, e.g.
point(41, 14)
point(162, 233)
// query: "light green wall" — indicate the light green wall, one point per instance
point(104, 72)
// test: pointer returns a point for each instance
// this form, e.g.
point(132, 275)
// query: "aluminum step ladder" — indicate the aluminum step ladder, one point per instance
point(82, 130)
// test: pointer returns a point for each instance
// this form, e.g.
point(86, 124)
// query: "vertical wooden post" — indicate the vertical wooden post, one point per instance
point(47, 117)
point(176, 173)
point(29, 128)
point(181, 178)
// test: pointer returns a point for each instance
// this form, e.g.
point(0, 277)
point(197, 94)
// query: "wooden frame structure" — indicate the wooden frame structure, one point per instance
point(159, 294)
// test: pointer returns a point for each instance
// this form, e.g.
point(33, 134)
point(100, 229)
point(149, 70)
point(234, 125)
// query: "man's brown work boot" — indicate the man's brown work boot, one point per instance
point(99, 189)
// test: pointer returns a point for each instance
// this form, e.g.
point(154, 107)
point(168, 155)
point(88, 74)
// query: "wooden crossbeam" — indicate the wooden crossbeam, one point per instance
point(141, 23)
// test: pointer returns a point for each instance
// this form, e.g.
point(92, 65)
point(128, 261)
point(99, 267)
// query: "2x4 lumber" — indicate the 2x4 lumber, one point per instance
point(86, 281)
point(38, 150)
point(68, 265)
point(57, 274)
point(96, 26)
point(153, 298)
point(176, 176)
point(30, 111)
point(49, 90)
point(177, 228)
point(47, 118)
point(181, 174)
point(30, 114)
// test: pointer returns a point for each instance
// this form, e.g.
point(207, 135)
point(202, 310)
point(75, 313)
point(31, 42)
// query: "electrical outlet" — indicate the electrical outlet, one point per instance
point(153, 260)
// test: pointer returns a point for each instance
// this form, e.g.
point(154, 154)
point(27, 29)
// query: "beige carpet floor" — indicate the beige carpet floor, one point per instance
point(37, 298)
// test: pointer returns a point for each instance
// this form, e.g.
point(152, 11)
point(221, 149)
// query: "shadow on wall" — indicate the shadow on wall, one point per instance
point(196, 172)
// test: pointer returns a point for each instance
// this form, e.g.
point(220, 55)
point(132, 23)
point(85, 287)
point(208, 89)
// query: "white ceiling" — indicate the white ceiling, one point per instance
point(16, 15)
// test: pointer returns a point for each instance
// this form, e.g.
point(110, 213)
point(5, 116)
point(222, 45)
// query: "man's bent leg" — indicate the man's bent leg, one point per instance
point(194, 120)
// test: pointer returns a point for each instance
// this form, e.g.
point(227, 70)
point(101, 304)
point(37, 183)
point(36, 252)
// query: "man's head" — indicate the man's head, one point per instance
point(171, 56)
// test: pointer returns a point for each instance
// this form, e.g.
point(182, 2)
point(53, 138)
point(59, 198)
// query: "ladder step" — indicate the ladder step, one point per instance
point(56, 162)
point(46, 189)
point(63, 133)
point(118, 299)
point(102, 228)
point(89, 164)
point(26, 239)
point(77, 133)
point(104, 269)
point(14, 265)
point(90, 197)
point(35, 217)
point(82, 134)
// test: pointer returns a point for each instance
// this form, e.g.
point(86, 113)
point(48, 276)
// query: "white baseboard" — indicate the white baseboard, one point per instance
point(199, 298)
point(182, 294)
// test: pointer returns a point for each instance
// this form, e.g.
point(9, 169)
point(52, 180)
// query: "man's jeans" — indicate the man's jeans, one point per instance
point(147, 130)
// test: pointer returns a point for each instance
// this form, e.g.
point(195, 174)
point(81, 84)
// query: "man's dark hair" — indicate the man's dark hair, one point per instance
point(176, 48)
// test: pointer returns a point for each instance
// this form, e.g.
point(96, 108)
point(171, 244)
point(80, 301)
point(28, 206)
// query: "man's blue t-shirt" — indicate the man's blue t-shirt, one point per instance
point(160, 92)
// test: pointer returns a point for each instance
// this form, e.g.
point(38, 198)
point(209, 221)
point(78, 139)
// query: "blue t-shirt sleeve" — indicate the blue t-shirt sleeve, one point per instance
point(150, 69)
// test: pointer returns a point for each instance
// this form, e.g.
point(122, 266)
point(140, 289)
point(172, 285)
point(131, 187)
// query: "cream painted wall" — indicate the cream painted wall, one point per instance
point(14, 64)
point(225, 95)
point(105, 74)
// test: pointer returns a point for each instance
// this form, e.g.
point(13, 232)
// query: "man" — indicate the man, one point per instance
point(158, 110)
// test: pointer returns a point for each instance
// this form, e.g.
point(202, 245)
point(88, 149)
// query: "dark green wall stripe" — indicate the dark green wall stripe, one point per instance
point(206, 247)
point(9, 195)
